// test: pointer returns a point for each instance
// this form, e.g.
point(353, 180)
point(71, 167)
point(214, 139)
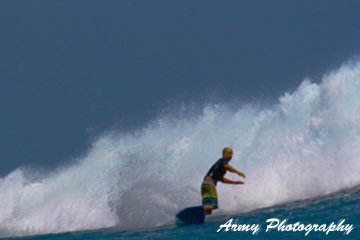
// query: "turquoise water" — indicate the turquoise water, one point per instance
point(325, 210)
point(300, 155)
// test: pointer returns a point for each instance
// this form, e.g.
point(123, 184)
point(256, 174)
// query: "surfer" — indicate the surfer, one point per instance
point(215, 174)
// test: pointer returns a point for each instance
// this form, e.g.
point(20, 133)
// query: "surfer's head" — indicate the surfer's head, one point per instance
point(227, 153)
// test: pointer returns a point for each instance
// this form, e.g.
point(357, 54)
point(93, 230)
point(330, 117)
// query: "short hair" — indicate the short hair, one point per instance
point(225, 149)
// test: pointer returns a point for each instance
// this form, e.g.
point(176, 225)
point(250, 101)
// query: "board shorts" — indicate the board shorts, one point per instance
point(209, 195)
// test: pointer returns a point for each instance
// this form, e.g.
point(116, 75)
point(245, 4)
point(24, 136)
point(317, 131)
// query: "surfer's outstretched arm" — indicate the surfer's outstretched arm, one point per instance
point(229, 181)
point(234, 170)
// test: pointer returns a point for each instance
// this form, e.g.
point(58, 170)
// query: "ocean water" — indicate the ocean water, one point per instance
point(325, 210)
point(300, 154)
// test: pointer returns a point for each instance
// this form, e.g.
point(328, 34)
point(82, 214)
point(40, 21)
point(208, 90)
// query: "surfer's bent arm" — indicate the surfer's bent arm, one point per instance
point(229, 181)
point(233, 170)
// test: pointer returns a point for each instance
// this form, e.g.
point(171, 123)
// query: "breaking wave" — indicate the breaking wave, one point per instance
point(306, 145)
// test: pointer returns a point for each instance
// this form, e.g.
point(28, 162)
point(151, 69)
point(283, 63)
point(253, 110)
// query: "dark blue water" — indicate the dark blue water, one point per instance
point(300, 155)
point(325, 210)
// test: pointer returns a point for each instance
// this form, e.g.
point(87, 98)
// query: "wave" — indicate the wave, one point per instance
point(304, 146)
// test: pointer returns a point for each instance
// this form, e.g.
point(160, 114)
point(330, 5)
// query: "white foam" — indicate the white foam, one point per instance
point(305, 146)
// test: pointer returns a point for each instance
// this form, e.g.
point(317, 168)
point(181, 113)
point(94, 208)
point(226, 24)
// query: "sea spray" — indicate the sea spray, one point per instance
point(306, 145)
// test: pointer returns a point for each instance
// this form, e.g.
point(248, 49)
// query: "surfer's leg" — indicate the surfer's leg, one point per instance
point(209, 198)
point(208, 209)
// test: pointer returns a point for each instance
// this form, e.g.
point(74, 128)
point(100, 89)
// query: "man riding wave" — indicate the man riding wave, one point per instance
point(216, 173)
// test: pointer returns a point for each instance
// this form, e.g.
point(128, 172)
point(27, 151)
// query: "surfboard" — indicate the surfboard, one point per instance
point(191, 215)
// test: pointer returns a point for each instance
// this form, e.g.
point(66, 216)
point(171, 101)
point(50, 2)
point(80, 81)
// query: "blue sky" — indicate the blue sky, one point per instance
point(72, 69)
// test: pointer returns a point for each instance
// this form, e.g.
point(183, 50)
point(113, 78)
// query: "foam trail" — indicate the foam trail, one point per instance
point(305, 146)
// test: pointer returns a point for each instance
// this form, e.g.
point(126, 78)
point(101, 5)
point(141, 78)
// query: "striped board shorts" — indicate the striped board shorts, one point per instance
point(209, 195)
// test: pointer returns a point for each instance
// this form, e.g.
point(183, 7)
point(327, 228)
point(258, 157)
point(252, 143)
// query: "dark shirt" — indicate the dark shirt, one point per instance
point(218, 170)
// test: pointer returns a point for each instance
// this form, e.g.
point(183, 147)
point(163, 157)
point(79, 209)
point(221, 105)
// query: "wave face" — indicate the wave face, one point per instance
point(306, 145)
